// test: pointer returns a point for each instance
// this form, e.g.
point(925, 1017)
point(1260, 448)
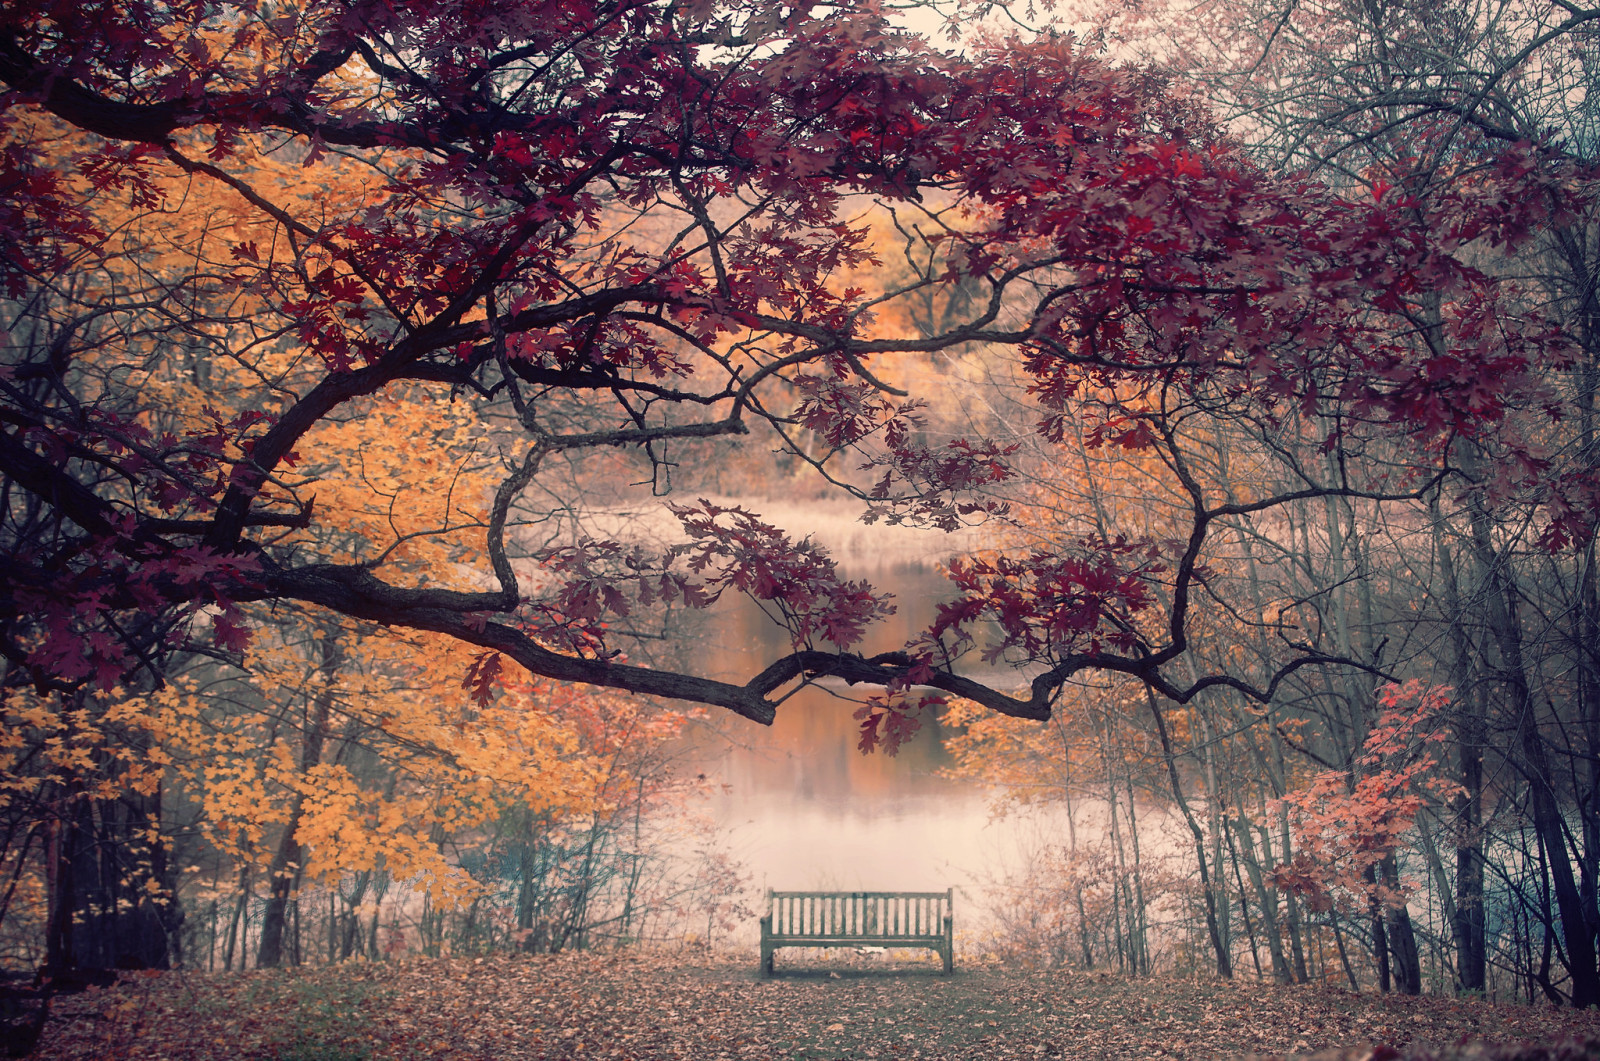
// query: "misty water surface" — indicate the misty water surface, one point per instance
point(801, 806)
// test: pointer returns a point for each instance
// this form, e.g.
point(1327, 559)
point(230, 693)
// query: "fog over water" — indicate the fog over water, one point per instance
point(807, 809)
point(802, 807)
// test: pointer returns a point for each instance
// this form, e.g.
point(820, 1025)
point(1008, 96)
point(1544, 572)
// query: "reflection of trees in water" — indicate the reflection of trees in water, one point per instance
point(811, 749)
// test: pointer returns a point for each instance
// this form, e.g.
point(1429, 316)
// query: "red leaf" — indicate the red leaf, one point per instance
point(482, 677)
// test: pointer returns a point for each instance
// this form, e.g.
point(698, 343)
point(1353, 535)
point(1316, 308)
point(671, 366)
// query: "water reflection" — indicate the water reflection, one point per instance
point(804, 807)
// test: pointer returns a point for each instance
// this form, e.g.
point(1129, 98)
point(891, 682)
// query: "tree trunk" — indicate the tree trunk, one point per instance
point(350, 917)
point(1575, 281)
point(1265, 901)
point(1506, 628)
point(285, 868)
point(239, 910)
point(1085, 944)
point(1297, 954)
point(1467, 919)
point(1138, 924)
point(1224, 964)
point(100, 913)
point(1380, 950)
point(1244, 902)
point(1407, 964)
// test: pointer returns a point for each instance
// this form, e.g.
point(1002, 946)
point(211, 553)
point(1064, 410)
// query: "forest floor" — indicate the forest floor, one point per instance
point(685, 1005)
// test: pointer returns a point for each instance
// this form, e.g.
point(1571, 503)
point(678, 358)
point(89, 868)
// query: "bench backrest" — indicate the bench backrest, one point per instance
point(867, 915)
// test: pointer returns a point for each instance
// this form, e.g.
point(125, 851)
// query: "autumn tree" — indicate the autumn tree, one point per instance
point(627, 225)
point(1422, 100)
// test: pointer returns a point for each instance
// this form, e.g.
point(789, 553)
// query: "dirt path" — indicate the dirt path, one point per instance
point(648, 1006)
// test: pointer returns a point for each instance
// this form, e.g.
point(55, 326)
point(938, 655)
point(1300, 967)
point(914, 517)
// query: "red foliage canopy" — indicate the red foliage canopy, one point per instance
point(1112, 238)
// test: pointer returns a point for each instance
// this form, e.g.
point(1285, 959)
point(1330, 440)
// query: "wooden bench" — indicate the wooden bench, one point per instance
point(858, 919)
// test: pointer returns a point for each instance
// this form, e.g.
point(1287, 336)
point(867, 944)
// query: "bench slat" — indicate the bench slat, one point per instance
point(855, 941)
point(861, 895)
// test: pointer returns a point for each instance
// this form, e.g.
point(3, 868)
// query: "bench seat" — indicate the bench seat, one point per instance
point(858, 919)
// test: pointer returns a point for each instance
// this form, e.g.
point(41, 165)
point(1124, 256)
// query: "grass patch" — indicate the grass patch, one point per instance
point(328, 1019)
point(291, 1015)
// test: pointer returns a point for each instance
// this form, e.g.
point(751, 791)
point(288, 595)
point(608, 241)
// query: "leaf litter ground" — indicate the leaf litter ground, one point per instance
point(647, 1005)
